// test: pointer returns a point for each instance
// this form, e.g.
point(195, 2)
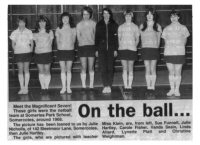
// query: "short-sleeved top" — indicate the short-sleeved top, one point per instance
point(149, 37)
point(86, 32)
point(175, 35)
point(67, 37)
point(127, 34)
point(43, 41)
point(22, 40)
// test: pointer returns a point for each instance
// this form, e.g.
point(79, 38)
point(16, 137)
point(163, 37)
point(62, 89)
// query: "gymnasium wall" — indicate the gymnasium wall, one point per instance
point(53, 12)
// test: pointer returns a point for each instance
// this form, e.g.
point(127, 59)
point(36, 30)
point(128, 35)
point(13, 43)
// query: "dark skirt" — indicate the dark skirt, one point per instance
point(175, 59)
point(127, 55)
point(150, 54)
point(23, 57)
point(43, 58)
point(86, 51)
point(65, 55)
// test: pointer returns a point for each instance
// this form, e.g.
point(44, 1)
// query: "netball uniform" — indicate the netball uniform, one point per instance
point(86, 37)
point(22, 50)
point(127, 34)
point(175, 35)
point(43, 49)
point(67, 37)
point(150, 42)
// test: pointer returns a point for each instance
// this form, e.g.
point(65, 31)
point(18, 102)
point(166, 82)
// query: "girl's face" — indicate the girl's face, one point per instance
point(21, 24)
point(65, 20)
point(42, 24)
point(106, 15)
point(174, 18)
point(86, 15)
point(149, 16)
point(128, 18)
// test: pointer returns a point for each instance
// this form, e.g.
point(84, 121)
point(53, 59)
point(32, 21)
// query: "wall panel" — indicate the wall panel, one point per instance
point(53, 12)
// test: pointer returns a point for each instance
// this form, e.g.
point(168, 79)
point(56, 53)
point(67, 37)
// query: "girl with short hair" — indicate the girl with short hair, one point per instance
point(175, 36)
point(22, 44)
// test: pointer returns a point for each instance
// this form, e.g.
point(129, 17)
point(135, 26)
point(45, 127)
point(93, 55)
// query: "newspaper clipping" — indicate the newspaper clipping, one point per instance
point(100, 72)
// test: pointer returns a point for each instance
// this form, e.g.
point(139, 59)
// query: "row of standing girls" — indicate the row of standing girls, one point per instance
point(104, 40)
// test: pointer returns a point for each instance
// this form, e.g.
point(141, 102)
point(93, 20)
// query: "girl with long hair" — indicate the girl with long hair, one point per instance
point(150, 40)
point(43, 38)
point(65, 38)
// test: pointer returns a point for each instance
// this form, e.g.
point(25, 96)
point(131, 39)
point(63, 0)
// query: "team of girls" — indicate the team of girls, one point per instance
point(104, 39)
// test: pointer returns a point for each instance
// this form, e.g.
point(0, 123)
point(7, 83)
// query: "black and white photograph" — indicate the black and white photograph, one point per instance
point(100, 71)
point(99, 52)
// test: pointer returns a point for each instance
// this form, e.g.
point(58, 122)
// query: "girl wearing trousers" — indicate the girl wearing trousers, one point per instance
point(150, 38)
point(86, 45)
point(106, 42)
point(22, 44)
point(65, 38)
point(175, 36)
point(128, 37)
point(43, 38)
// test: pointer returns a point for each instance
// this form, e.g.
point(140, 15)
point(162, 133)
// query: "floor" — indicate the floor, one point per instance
point(138, 91)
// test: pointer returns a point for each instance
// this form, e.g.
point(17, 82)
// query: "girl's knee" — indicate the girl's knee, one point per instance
point(20, 71)
point(26, 71)
point(63, 69)
point(83, 70)
point(68, 71)
point(178, 73)
point(47, 73)
point(153, 70)
point(91, 69)
point(172, 72)
point(125, 68)
point(131, 73)
point(148, 70)
point(178, 70)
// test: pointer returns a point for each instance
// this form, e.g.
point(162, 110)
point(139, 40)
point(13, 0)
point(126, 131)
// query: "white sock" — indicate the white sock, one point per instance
point(91, 79)
point(148, 81)
point(21, 80)
point(177, 83)
point(41, 79)
point(125, 79)
point(69, 77)
point(130, 79)
point(172, 82)
point(153, 81)
point(63, 79)
point(27, 78)
point(47, 80)
point(83, 79)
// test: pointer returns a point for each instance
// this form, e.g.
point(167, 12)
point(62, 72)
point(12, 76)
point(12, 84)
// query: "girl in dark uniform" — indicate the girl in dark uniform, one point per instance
point(106, 41)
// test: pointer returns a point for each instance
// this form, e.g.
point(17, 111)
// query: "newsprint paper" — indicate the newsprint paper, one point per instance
point(88, 113)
